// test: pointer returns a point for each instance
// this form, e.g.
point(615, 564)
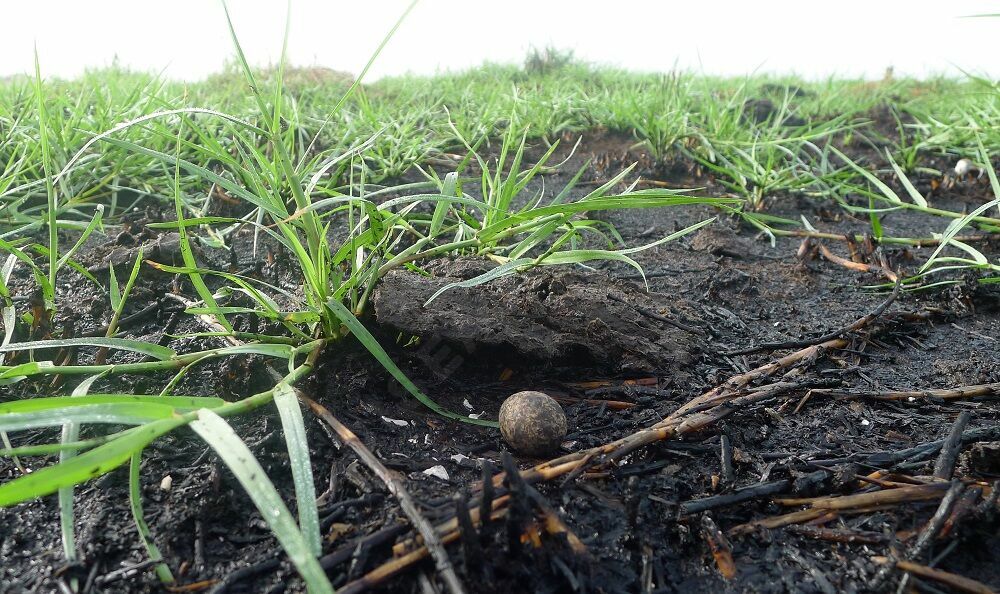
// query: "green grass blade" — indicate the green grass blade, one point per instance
point(86, 466)
point(294, 429)
point(241, 461)
point(916, 196)
point(52, 210)
point(368, 341)
point(886, 190)
point(135, 503)
point(70, 433)
point(119, 413)
point(505, 269)
point(63, 402)
point(154, 350)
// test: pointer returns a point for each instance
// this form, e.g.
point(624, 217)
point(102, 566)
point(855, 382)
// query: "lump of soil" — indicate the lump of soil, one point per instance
point(720, 240)
point(554, 315)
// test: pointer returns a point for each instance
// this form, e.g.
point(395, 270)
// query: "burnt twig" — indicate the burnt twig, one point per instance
point(954, 581)
point(726, 457)
point(928, 533)
point(722, 551)
point(745, 494)
point(958, 393)
point(945, 465)
point(398, 489)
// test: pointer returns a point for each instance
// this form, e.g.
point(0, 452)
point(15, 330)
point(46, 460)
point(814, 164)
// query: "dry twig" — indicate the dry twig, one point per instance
point(397, 488)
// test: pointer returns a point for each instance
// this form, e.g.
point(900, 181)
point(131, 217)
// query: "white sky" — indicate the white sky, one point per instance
point(188, 38)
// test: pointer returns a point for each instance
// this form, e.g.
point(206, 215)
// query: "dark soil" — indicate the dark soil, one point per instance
point(584, 337)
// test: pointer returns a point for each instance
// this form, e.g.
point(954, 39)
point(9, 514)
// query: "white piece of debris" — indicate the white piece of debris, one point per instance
point(460, 459)
point(477, 415)
point(437, 472)
point(963, 167)
point(166, 483)
point(397, 422)
point(865, 422)
point(467, 404)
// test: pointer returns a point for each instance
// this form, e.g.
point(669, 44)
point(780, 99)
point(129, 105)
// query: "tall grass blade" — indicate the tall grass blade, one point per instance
point(241, 461)
point(287, 402)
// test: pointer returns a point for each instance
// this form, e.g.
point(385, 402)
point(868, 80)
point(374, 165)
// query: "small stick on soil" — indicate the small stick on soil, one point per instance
point(398, 489)
point(486, 500)
point(210, 322)
point(378, 538)
point(886, 496)
point(989, 505)
point(858, 266)
point(722, 551)
point(471, 547)
point(959, 393)
point(834, 535)
point(125, 572)
point(752, 492)
point(740, 381)
point(127, 321)
point(796, 517)
point(916, 242)
point(852, 327)
point(945, 465)
point(937, 521)
point(954, 581)
point(927, 534)
point(246, 572)
point(553, 523)
point(400, 563)
point(726, 455)
point(963, 508)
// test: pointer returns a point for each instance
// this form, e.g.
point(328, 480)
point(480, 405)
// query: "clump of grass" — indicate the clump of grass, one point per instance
point(548, 60)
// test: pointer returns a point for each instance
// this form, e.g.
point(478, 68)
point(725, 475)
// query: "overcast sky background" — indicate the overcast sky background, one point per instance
point(187, 39)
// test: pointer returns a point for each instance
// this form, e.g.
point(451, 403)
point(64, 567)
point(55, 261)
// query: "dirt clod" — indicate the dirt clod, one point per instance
point(550, 315)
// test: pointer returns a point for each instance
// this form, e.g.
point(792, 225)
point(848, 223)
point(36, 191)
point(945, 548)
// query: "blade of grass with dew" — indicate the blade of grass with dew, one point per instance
point(151, 349)
point(70, 433)
point(52, 210)
point(241, 461)
point(117, 413)
point(185, 247)
point(135, 503)
point(293, 426)
point(87, 465)
point(63, 402)
point(94, 223)
point(48, 289)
